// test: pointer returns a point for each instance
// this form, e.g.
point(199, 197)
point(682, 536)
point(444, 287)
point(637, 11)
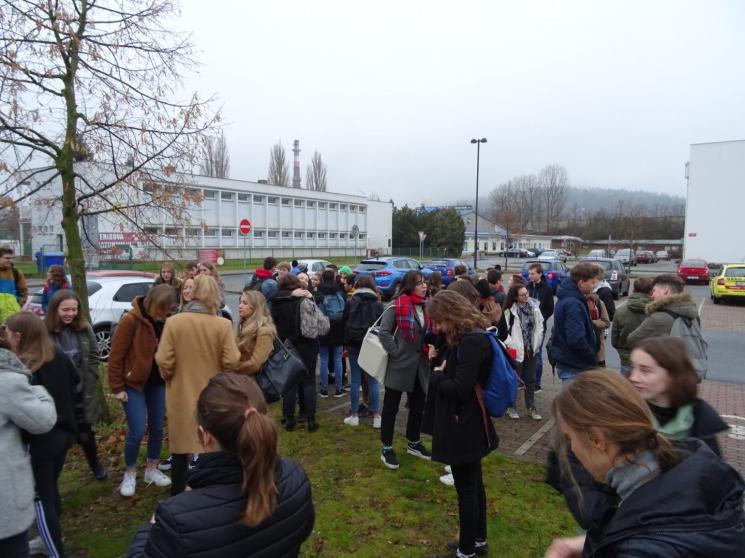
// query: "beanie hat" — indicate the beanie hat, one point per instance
point(346, 270)
point(482, 286)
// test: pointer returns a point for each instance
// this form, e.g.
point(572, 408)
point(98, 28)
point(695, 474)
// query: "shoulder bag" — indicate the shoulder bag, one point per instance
point(282, 371)
point(373, 358)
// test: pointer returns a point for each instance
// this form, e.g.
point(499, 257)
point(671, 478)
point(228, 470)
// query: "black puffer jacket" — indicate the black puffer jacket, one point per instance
point(205, 521)
point(694, 509)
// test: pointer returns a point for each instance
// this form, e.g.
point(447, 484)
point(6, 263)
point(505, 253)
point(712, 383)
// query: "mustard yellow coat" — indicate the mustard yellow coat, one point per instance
point(194, 347)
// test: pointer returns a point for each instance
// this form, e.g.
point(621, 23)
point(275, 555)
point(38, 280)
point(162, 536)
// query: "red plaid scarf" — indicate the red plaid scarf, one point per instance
point(406, 316)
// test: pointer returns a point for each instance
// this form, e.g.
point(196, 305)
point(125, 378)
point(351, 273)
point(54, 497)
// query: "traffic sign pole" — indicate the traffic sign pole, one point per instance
point(245, 228)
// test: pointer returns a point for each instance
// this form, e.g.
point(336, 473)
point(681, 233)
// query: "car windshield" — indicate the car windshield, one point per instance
point(371, 266)
point(735, 272)
point(693, 263)
point(440, 262)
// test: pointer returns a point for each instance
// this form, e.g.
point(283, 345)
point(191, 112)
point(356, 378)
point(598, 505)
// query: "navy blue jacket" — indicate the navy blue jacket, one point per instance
point(575, 343)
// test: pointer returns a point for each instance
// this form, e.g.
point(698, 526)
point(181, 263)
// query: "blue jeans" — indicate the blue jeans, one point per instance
point(335, 351)
point(372, 383)
point(567, 375)
point(148, 404)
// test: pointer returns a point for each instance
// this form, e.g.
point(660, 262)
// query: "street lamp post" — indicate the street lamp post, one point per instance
point(478, 143)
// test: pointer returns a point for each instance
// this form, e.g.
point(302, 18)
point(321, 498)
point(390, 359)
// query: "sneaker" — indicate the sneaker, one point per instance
point(129, 483)
point(388, 457)
point(535, 415)
point(377, 421)
point(448, 469)
point(512, 413)
point(447, 479)
point(481, 549)
point(100, 473)
point(166, 464)
point(324, 393)
point(538, 389)
point(352, 420)
point(153, 476)
point(419, 450)
point(37, 546)
point(339, 394)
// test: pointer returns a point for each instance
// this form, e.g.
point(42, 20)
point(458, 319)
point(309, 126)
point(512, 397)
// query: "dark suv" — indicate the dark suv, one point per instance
point(615, 274)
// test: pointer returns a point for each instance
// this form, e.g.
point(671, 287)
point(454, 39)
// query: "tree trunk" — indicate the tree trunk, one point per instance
point(75, 258)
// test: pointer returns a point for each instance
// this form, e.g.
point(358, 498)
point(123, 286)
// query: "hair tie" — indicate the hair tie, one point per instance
point(249, 411)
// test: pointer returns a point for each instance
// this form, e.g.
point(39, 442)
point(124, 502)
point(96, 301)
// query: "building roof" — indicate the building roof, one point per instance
point(485, 225)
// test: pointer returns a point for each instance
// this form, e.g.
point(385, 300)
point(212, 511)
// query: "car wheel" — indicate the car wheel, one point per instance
point(716, 300)
point(103, 340)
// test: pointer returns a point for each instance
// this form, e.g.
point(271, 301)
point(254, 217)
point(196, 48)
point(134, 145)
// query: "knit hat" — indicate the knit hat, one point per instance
point(482, 286)
point(346, 270)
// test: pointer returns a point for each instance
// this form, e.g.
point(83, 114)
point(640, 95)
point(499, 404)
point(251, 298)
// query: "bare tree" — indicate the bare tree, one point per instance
point(555, 183)
point(506, 209)
point(279, 167)
point(216, 157)
point(85, 84)
point(315, 176)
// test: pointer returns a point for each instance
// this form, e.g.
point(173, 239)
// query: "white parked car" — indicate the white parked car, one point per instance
point(313, 265)
point(662, 255)
point(554, 255)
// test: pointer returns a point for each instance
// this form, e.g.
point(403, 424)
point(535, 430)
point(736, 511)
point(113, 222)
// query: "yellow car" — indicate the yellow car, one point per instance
point(729, 282)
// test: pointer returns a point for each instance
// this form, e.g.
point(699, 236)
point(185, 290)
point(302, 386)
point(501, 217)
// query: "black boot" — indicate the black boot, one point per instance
point(312, 425)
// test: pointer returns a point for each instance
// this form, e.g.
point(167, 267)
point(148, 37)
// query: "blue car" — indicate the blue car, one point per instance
point(555, 271)
point(446, 267)
point(389, 272)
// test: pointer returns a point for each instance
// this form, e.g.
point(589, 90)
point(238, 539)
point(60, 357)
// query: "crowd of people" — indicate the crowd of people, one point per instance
point(624, 436)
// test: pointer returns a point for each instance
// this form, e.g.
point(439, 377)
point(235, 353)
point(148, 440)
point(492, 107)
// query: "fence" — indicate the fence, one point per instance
point(426, 253)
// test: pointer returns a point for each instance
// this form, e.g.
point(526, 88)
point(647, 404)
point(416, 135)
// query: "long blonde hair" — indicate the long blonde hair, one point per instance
point(206, 292)
point(261, 317)
point(35, 347)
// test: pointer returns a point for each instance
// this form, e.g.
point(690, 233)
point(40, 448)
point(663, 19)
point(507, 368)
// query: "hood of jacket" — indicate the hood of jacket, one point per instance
point(9, 364)
point(138, 310)
point(637, 302)
point(329, 287)
point(681, 304)
point(569, 289)
point(366, 294)
point(602, 285)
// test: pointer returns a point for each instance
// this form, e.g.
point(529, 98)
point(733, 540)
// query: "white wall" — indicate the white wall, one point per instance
point(715, 205)
point(379, 226)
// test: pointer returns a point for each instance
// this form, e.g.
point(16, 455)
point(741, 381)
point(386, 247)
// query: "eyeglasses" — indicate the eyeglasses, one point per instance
point(420, 283)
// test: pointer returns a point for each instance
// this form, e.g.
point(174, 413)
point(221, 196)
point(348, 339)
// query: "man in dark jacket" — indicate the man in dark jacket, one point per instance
point(575, 343)
point(539, 290)
point(332, 300)
point(494, 277)
point(630, 316)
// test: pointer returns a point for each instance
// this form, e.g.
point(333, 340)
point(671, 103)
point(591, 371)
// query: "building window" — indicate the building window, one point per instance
point(210, 195)
point(210, 232)
point(258, 234)
point(192, 231)
point(332, 235)
point(285, 234)
point(311, 235)
point(342, 207)
point(226, 196)
point(352, 208)
point(298, 203)
point(259, 200)
point(172, 231)
point(272, 234)
point(286, 201)
point(272, 200)
point(362, 236)
point(321, 205)
point(362, 209)
point(151, 230)
point(321, 235)
point(227, 233)
point(243, 197)
point(298, 235)
point(332, 206)
point(310, 204)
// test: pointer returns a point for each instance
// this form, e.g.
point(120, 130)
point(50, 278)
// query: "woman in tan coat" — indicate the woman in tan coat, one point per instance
point(196, 345)
point(601, 321)
point(256, 332)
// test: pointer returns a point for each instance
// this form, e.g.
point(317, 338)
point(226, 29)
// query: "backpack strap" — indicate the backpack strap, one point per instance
point(479, 391)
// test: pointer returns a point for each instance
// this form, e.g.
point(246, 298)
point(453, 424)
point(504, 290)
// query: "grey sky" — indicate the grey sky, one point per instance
point(391, 92)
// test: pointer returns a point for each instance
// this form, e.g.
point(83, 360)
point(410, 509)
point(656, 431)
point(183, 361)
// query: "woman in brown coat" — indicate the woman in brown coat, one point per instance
point(601, 322)
point(196, 345)
point(256, 332)
point(134, 379)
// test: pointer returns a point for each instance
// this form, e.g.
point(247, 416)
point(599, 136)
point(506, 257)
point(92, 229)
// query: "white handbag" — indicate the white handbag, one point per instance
point(373, 357)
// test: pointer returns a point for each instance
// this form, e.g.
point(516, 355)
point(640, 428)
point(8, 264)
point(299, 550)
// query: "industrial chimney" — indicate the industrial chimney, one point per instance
point(296, 164)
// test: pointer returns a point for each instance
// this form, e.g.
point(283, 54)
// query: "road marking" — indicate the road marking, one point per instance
point(530, 442)
point(700, 306)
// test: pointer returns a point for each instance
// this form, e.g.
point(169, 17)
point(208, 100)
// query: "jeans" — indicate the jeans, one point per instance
point(373, 385)
point(567, 375)
point(15, 546)
point(469, 484)
point(308, 352)
point(335, 352)
point(151, 404)
point(46, 464)
point(539, 360)
point(391, 402)
point(527, 372)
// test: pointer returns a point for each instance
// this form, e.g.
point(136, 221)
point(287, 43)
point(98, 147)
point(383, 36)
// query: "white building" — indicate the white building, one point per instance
point(715, 202)
point(284, 222)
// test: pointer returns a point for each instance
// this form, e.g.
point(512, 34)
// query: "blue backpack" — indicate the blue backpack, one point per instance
point(333, 306)
point(500, 389)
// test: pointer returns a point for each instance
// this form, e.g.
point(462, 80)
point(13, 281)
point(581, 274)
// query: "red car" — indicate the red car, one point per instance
point(694, 271)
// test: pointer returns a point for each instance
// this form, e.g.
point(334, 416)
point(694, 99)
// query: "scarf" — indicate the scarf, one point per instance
point(679, 426)
point(628, 476)
point(196, 307)
point(527, 325)
point(406, 316)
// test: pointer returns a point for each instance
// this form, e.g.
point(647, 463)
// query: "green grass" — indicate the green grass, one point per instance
point(362, 508)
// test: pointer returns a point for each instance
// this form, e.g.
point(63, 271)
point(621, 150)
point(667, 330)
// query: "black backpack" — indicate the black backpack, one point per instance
point(362, 314)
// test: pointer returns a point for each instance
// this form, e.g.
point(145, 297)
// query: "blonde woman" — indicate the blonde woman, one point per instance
point(207, 268)
point(187, 287)
point(196, 345)
point(256, 332)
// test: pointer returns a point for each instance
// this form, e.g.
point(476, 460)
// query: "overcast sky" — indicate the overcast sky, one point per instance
point(391, 92)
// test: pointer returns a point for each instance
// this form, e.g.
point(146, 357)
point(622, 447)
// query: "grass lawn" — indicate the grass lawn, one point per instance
point(362, 508)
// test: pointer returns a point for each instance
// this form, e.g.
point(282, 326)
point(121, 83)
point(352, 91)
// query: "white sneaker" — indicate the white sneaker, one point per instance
point(448, 469)
point(447, 479)
point(156, 477)
point(377, 421)
point(129, 483)
point(512, 413)
point(352, 420)
point(535, 415)
point(37, 546)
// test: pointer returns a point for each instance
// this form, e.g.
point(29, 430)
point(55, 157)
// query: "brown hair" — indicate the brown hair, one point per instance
point(288, 281)
point(365, 282)
point(35, 347)
point(206, 292)
point(51, 319)
point(460, 269)
point(173, 282)
point(284, 265)
point(434, 283)
point(671, 354)
point(584, 271)
point(57, 273)
point(605, 400)
point(536, 266)
point(213, 271)
point(183, 302)
point(160, 297)
point(511, 297)
point(643, 285)
point(453, 308)
point(673, 282)
point(6, 250)
point(466, 289)
point(232, 409)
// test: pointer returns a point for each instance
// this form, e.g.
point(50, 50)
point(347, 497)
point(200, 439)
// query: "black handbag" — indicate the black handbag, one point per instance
point(282, 371)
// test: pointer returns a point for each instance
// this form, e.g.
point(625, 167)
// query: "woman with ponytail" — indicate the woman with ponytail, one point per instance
point(244, 500)
point(658, 498)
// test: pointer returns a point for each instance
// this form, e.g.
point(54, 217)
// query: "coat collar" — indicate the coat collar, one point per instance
point(664, 302)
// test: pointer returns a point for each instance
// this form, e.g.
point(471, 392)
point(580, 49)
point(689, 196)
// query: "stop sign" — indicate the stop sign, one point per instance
point(245, 226)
